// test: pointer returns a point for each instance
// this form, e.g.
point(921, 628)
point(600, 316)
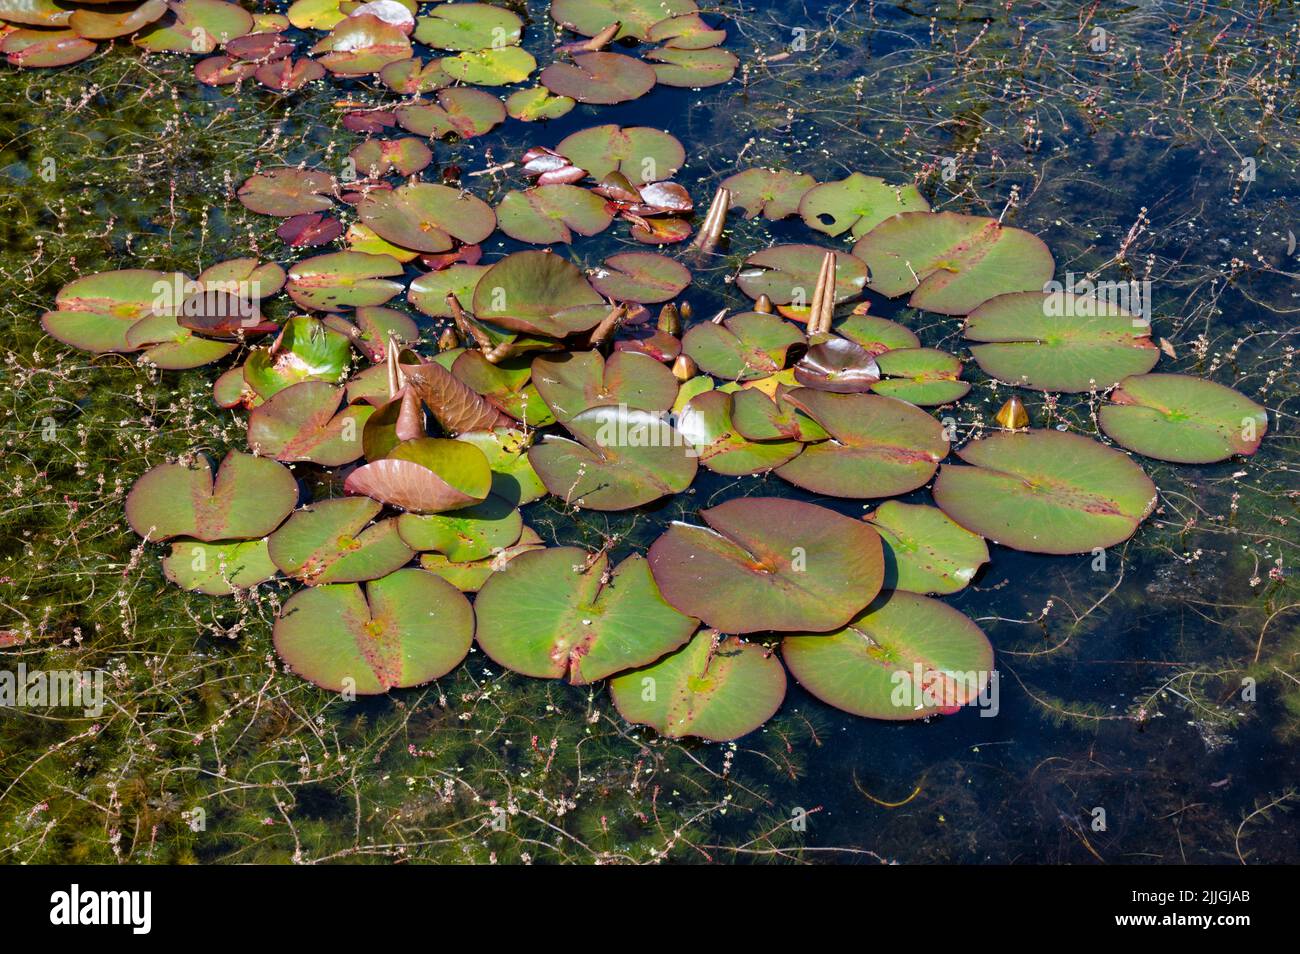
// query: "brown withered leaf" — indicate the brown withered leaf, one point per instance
point(453, 404)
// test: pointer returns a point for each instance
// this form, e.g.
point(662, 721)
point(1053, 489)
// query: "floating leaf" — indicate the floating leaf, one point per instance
point(247, 499)
point(538, 293)
point(1059, 341)
point(871, 667)
point(333, 541)
point(1182, 419)
point(1046, 492)
point(316, 14)
point(602, 78)
point(218, 569)
point(879, 447)
point(289, 74)
point(309, 229)
point(472, 533)
point(744, 347)
point(952, 263)
point(427, 217)
point(285, 192)
point(562, 612)
point(379, 157)
point(429, 292)
point(413, 76)
point(640, 153)
point(635, 17)
point(686, 31)
point(362, 44)
point(839, 365)
point(404, 630)
point(223, 71)
point(426, 475)
point(922, 376)
point(95, 312)
point(499, 66)
point(692, 69)
point(925, 551)
point(462, 111)
point(877, 335)
point(304, 422)
point(788, 273)
point(642, 277)
point(506, 384)
point(468, 26)
point(573, 382)
point(769, 564)
point(857, 204)
point(305, 351)
point(471, 575)
point(538, 103)
point(344, 280)
point(759, 417)
point(773, 193)
point(44, 48)
point(195, 26)
point(706, 423)
point(513, 477)
point(259, 47)
point(552, 213)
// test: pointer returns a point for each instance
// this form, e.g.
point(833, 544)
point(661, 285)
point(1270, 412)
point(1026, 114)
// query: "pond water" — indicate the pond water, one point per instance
point(1147, 704)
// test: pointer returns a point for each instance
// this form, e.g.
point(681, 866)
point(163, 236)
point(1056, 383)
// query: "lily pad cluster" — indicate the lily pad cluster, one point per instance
point(553, 380)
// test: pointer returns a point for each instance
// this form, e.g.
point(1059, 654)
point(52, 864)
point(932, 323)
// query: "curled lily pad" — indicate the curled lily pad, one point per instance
point(333, 541)
point(379, 157)
point(344, 279)
point(507, 384)
point(426, 475)
point(642, 277)
point(1182, 419)
point(462, 111)
point(218, 569)
point(1057, 341)
point(454, 404)
point(772, 193)
point(285, 192)
point(304, 351)
point(952, 263)
point(837, 364)
point(788, 274)
point(538, 103)
point(601, 78)
point(427, 217)
point(400, 419)
point(769, 564)
point(744, 347)
point(305, 422)
point(562, 612)
point(879, 447)
point(904, 657)
point(95, 313)
point(635, 17)
point(468, 26)
point(717, 688)
point(472, 533)
point(247, 499)
point(403, 630)
point(921, 376)
point(693, 69)
point(1046, 492)
point(877, 335)
point(573, 382)
point(552, 213)
point(498, 66)
point(640, 153)
point(925, 550)
point(857, 204)
point(362, 44)
point(622, 458)
point(538, 293)
point(195, 26)
point(706, 422)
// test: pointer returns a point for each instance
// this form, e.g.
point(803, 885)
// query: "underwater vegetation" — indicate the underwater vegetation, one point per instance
point(582, 413)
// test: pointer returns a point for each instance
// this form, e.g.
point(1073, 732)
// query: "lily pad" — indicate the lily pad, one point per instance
point(744, 347)
point(857, 204)
point(45, 48)
point(218, 569)
point(693, 69)
point(195, 26)
point(772, 193)
point(760, 417)
point(425, 475)
point(636, 17)
point(333, 541)
point(686, 31)
point(427, 217)
point(414, 76)
point(952, 263)
point(499, 66)
point(362, 44)
point(304, 351)
point(247, 499)
point(562, 612)
point(461, 111)
point(642, 277)
point(344, 280)
point(921, 376)
point(1183, 419)
point(601, 78)
point(1059, 341)
point(289, 74)
point(640, 153)
point(379, 157)
point(507, 384)
point(536, 104)
point(788, 274)
point(876, 334)
point(871, 667)
point(839, 365)
point(769, 564)
point(305, 422)
point(925, 550)
point(538, 292)
point(706, 423)
point(403, 630)
point(429, 291)
point(94, 313)
point(462, 536)
point(113, 21)
point(513, 477)
point(470, 576)
point(286, 192)
point(468, 26)
point(573, 382)
point(879, 447)
point(552, 213)
point(1046, 492)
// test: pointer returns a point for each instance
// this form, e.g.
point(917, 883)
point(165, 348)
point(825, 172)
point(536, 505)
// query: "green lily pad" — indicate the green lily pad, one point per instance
point(249, 277)
point(499, 66)
point(461, 111)
point(1059, 342)
point(692, 69)
point(36, 13)
point(247, 499)
point(641, 277)
point(622, 458)
point(1182, 419)
point(425, 475)
point(429, 292)
point(379, 157)
point(573, 382)
point(195, 26)
point(427, 217)
point(640, 153)
point(315, 14)
point(415, 76)
point(470, 576)
point(218, 569)
point(772, 193)
point(879, 447)
point(871, 667)
point(96, 312)
point(304, 351)
point(857, 204)
point(706, 423)
point(788, 274)
point(304, 422)
point(184, 350)
point(759, 417)
point(462, 536)
point(636, 17)
point(562, 612)
point(769, 564)
point(468, 26)
point(552, 213)
point(877, 335)
point(686, 31)
point(513, 478)
point(921, 376)
point(1046, 492)
point(45, 48)
point(744, 347)
point(113, 21)
point(952, 263)
point(601, 78)
point(714, 688)
point(404, 630)
point(506, 384)
point(925, 550)
point(344, 280)
point(537, 292)
point(536, 104)
point(286, 192)
point(333, 541)
point(361, 45)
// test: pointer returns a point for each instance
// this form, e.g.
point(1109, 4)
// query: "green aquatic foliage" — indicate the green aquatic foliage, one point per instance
point(1184, 419)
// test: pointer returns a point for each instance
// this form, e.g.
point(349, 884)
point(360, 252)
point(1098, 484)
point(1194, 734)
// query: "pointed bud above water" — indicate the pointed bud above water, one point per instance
point(670, 320)
point(684, 368)
point(764, 304)
point(1013, 415)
